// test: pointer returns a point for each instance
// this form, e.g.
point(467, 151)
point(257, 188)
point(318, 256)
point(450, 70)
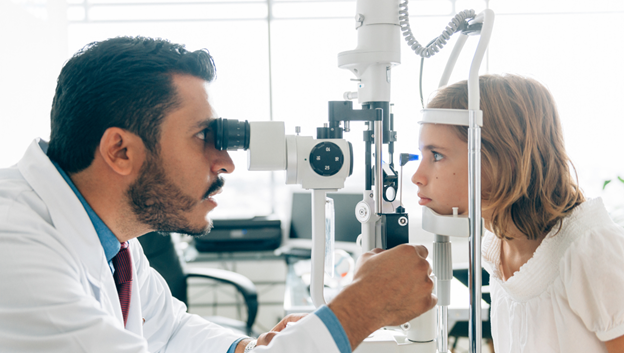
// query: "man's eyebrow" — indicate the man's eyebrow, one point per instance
point(203, 124)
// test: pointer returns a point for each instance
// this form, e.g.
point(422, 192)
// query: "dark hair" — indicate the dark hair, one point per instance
point(123, 82)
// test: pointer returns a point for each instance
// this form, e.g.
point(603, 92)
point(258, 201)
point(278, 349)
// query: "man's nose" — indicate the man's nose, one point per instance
point(223, 163)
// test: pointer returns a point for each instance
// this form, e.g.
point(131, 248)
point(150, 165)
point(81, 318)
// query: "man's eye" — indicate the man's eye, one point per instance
point(437, 156)
point(205, 134)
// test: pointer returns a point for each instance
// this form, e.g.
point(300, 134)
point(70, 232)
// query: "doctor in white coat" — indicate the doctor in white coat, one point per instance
point(131, 151)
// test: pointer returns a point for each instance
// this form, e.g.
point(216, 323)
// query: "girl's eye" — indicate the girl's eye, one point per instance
point(437, 157)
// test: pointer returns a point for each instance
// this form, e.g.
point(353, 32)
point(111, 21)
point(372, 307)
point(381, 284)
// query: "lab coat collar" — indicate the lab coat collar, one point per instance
point(109, 242)
point(70, 219)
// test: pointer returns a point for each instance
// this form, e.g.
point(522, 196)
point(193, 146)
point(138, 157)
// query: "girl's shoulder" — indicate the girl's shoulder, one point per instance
point(591, 269)
point(589, 233)
point(588, 218)
point(588, 230)
point(583, 235)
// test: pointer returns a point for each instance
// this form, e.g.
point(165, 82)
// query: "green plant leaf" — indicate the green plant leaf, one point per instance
point(605, 184)
point(620, 179)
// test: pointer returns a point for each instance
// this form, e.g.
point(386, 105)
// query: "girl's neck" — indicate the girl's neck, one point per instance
point(517, 251)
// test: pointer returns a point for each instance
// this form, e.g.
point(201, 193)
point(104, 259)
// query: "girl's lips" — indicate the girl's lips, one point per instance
point(423, 201)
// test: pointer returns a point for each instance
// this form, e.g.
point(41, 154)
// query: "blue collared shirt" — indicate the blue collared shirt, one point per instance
point(111, 247)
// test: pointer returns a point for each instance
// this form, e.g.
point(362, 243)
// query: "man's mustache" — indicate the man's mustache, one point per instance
point(216, 185)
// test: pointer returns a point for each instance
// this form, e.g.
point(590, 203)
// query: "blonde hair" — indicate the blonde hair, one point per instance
point(524, 161)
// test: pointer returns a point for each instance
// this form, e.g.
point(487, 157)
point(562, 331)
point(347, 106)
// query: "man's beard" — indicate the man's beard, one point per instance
point(160, 204)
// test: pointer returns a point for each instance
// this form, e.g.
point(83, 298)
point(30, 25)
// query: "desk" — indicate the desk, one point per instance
point(297, 299)
point(192, 255)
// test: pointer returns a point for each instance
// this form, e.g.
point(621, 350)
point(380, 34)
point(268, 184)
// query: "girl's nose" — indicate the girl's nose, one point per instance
point(419, 178)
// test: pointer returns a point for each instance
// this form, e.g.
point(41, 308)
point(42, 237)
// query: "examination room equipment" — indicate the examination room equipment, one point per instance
point(246, 234)
point(347, 227)
point(323, 163)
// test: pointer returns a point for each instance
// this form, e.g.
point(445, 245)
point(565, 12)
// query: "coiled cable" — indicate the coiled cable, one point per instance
point(436, 44)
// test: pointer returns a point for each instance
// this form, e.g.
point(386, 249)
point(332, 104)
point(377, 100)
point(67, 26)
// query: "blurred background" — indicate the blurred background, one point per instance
point(276, 60)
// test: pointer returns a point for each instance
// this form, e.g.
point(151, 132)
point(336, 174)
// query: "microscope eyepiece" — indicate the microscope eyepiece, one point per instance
point(231, 134)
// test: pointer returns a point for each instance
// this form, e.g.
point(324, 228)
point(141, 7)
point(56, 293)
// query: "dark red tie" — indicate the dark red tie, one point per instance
point(123, 278)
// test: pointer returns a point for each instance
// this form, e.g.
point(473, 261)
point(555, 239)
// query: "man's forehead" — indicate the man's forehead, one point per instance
point(195, 111)
point(210, 91)
point(211, 101)
point(203, 122)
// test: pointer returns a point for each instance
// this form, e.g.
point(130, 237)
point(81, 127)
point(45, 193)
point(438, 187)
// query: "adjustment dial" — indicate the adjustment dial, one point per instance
point(326, 158)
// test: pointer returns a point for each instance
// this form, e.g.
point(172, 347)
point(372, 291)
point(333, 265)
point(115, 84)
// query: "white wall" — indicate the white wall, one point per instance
point(571, 46)
point(33, 49)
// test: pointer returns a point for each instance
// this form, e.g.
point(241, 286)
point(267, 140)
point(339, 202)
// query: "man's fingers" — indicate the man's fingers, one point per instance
point(368, 254)
point(290, 318)
point(265, 338)
point(365, 256)
point(422, 251)
point(434, 301)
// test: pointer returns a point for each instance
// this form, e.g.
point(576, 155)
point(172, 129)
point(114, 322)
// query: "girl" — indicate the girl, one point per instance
point(556, 260)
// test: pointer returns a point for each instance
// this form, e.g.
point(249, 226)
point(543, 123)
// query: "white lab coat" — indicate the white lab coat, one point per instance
point(57, 293)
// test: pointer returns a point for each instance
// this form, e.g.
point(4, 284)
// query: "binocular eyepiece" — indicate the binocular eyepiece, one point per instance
point(231, 134)
point(329, 160)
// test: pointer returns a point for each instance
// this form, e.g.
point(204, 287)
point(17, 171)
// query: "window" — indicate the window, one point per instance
point(276, 60)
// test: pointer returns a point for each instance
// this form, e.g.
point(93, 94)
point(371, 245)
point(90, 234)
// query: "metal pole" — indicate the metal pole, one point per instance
point(474, 210)
point(318, 247)
point(378, 138)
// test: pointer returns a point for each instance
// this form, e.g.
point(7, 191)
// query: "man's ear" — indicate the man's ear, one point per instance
point(122, 150)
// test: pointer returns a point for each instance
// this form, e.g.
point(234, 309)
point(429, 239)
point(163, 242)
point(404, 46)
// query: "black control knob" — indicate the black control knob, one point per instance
point(326, 158)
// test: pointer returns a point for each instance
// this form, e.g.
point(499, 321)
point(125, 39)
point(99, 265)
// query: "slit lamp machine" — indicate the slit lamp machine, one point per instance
point(323, 163)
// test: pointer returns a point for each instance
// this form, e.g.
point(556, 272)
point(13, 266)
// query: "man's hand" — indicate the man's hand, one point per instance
point(389, 288)
point(290, 318)
point(265, 338)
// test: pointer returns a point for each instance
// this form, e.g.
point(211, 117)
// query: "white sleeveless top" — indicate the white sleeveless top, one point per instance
point(569, 297)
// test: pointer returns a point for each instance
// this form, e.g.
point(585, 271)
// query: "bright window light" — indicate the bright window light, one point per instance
point(287, 70)
point(168, 12)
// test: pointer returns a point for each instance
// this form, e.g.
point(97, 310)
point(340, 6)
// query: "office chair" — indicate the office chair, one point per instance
point(160, 250)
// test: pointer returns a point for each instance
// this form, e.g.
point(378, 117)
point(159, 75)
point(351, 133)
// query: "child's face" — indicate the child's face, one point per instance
point(442, 176)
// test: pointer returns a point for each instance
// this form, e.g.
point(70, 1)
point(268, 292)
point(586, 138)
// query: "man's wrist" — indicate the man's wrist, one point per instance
point(357, 321)
point(240, 347)
point(251, 345)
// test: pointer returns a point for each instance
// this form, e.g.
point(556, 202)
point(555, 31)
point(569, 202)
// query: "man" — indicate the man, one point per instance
point(131, 151)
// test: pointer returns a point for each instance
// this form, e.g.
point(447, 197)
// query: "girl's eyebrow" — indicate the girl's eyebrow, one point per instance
point(433, 147)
